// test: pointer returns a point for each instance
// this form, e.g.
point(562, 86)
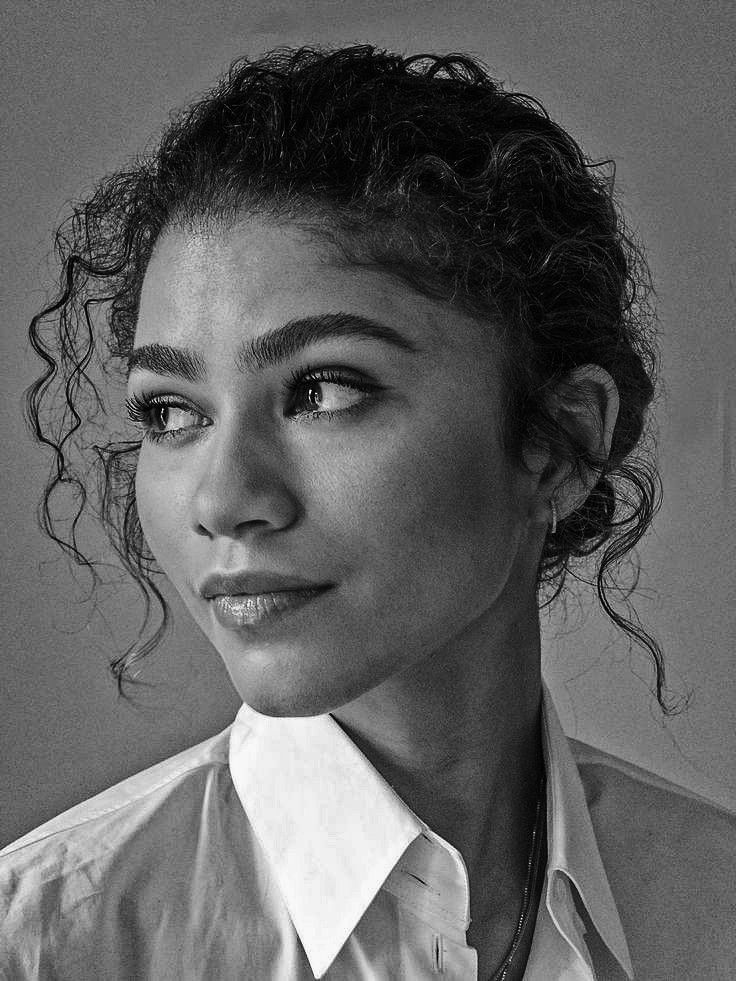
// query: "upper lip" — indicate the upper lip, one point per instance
point(252, 582)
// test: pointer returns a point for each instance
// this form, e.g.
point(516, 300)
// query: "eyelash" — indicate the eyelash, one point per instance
point(335, 376)
point(140, 408)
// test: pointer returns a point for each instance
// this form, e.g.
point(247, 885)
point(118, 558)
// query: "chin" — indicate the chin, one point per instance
point(290, 681)
point(284, 700)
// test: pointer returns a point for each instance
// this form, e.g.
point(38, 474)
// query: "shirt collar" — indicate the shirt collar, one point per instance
point(572, 847)
point(333, 829)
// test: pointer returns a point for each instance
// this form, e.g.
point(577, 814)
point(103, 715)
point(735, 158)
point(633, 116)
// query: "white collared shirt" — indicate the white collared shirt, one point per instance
point(276, 852)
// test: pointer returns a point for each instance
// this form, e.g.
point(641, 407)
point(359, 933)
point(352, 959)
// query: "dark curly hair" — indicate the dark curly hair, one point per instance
point(421, 165)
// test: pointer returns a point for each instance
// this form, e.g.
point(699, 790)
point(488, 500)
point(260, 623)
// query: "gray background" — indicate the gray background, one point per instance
point(651, 84)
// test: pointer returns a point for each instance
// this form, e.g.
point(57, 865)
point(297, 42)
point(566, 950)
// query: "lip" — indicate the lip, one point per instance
point(253, 598)
point(254, 583)
point(236, 611)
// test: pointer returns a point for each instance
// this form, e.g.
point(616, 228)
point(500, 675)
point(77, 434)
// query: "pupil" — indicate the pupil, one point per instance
point(314, 395)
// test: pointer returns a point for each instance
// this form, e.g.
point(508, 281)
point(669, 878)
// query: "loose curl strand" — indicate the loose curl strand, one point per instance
point(425, 167)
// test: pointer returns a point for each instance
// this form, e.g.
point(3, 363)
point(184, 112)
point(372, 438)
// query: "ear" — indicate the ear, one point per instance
point(586, 404)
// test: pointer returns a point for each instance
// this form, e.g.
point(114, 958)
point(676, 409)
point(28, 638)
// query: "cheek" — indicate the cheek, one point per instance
point(447, 501)
point(158, 513)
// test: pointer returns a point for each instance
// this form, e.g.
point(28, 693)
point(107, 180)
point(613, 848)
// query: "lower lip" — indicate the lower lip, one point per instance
point(253, 610)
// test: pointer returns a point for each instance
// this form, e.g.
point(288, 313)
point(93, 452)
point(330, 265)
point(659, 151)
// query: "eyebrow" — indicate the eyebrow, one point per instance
point(271, 348)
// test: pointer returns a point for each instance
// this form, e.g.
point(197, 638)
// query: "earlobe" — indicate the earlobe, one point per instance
point(536, 457)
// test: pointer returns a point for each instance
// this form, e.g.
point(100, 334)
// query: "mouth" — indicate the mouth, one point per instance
point(237, 610)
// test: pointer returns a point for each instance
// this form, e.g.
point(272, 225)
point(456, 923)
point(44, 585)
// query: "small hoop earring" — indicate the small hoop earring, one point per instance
point(553, 506)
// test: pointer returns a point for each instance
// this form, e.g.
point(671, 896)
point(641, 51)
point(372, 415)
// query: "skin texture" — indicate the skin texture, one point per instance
point(426, 648)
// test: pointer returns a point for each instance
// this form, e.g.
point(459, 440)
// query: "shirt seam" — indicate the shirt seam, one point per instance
point(66, 828)
point(599, 758)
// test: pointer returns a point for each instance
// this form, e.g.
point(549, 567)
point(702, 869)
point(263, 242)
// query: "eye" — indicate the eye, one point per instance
point(163, 417)
point(328, 392)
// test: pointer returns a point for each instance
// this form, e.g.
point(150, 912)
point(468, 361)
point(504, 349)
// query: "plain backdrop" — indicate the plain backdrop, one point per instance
point(87, 85)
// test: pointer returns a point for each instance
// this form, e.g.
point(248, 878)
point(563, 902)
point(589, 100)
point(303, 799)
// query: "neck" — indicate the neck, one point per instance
point(457, 736)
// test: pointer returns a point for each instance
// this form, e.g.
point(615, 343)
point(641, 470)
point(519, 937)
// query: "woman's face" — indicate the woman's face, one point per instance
point(322, 477)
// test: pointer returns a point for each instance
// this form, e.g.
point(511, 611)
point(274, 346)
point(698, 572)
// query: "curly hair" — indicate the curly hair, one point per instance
point(426, 167)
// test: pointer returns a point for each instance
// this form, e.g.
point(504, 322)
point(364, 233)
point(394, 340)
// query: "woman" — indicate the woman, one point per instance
point(385, 336)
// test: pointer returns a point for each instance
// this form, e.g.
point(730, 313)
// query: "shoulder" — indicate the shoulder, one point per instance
point(670, 857)
point(117, 803)
point(109, 865)
point(626, 800)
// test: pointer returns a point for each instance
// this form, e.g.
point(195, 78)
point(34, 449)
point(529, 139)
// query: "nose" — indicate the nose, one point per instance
point(242, 486)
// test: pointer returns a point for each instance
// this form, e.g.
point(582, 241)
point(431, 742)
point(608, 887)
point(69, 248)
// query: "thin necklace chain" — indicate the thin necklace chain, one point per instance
point(532, 871)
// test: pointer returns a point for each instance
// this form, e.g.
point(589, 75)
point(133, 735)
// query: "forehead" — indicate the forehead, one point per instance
point(255, 275)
